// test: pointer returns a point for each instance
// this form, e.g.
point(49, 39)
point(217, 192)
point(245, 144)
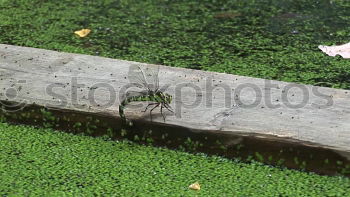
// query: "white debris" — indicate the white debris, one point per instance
point(342, 50)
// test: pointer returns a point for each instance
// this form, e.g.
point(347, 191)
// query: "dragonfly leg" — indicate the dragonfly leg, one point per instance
point(168, 108)
point(149, 106)
point(161, 111)
point(150, 112)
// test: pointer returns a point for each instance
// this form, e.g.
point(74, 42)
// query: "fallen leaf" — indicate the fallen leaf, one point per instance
point(83, 33)
point(342, 50)
point(195, 186)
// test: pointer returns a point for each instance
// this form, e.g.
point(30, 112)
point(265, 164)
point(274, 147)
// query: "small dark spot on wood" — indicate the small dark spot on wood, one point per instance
point(30, 58)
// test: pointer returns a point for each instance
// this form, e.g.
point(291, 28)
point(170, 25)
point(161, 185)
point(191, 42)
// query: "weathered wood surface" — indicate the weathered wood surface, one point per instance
point(323, 119)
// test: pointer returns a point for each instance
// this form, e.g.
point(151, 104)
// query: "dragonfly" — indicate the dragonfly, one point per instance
point(148, 81)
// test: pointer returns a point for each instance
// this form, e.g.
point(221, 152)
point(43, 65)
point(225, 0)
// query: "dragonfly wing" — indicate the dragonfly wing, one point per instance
point(154, 71)
point(132, 93)
point(145, 76)
point(165, 87)
point(136, 76)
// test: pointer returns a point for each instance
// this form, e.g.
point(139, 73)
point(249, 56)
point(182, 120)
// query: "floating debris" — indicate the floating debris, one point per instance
point(195, 186)
point(83, 32)
point(342, 50)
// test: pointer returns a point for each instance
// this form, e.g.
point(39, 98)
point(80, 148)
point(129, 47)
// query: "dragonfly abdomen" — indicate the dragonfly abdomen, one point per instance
point(134, 99)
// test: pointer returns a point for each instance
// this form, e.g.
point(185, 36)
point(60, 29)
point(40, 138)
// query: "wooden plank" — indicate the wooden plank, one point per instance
point(203, 101)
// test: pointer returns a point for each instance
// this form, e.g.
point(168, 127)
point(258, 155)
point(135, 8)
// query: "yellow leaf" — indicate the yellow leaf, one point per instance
point(83, 33)
point(195, 186)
